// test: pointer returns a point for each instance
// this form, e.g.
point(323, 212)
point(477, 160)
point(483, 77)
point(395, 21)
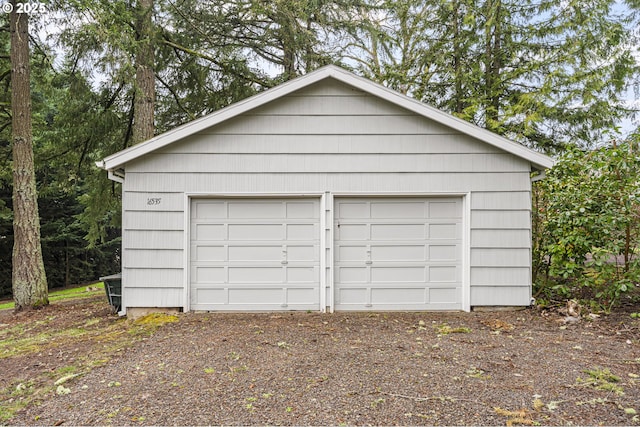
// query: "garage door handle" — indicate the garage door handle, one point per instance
point(284, 262)
point(369, 262)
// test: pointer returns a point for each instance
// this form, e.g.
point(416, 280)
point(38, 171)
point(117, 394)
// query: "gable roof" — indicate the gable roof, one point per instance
point(538, 161)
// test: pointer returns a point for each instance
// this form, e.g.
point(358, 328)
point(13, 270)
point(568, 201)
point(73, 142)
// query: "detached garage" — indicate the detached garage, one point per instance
point(326, 193)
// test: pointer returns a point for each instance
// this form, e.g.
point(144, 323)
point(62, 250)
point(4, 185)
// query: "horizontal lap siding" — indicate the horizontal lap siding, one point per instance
point(331, 163)
point(500, 248)
point(337, 182)
point(153, 244)
point(327, 137)
point(221, 143)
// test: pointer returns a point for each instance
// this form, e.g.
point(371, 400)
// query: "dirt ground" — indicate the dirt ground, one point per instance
point(78, 364)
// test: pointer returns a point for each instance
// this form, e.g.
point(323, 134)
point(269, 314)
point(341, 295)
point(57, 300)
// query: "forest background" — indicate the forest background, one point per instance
point(559, 76)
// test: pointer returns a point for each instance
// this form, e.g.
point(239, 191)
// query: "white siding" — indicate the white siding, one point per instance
point(500, 295)
point(500, 248)
point(330, 163)
point(349, 143)
point(153, 248)
point(336, 182)
point(327, 138)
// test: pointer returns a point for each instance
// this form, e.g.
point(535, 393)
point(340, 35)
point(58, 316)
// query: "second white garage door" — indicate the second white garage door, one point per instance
point(255, 254)
point(398, 254)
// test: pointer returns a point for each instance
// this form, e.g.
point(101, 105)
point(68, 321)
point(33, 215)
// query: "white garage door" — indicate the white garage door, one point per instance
point(255, 254)
point(398, 254)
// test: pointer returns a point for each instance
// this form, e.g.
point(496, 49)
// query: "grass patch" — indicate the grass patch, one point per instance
point(445, 329)
point(99, 337)
point(602, 379)
point(65, 294)
point(18, 397)
point(34, 343)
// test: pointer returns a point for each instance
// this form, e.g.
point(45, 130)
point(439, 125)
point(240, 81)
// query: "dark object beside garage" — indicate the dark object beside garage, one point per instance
point(113, 289)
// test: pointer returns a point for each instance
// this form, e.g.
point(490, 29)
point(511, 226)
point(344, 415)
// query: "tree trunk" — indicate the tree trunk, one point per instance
point(493, 63)
point(458, 106)
point(145, 95)
point(28, 276)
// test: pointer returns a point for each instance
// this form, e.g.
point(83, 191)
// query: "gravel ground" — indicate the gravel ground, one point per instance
point(490, 368)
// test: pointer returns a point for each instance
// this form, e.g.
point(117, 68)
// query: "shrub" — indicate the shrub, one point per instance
point(586, 225)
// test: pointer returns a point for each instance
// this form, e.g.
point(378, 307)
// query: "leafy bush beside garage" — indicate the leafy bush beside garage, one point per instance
point(586, 225)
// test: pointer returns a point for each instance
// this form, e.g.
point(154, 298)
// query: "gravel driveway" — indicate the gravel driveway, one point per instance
point(491, 368)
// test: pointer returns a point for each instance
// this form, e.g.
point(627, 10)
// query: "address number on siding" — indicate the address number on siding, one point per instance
point(153, 201)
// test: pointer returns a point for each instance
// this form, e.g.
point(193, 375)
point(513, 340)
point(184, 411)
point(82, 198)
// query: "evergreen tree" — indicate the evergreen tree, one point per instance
point(145, 92)
point(543, 73)
point(28, 275)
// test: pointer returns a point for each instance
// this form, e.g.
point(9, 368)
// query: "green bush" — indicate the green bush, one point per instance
point(586, 225)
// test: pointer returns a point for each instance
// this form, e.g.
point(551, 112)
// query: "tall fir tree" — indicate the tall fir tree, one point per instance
point(28, 275)
point(145, 92)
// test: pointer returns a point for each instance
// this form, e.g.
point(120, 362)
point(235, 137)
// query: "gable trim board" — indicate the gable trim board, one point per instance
point(324, 140)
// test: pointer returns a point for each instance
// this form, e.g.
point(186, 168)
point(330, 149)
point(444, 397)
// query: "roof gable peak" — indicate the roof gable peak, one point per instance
point(117, 160)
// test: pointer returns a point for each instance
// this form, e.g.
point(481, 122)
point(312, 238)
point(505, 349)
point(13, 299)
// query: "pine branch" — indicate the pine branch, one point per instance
point(224, 67)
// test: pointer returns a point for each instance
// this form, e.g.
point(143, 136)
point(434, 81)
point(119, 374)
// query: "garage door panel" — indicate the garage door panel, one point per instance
point(302, 231)
point(247, 274)
point(398, 254)
point(302, 296)
point(256, 210)
point(352, 274)
point(444, 295)
point(399, 296)
point(302, 275)
point(351, 296)
point(209, 274)
point(249, 295)
point(449, 209)
point(358, 209)
point(210, 232)
point(265, 256)
point(444, 253)
point(217, 296)
point(398, 231)
point(208, 210)
point(255, 253)
point(399, 210)
point(209, 253)
point(352, 253)
point(394, 275)
point(256, 232)
point(445, 231)
point(302, 210)
point(352, 232)
point(302, 253)
point(242, 297)
point(442, 274)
